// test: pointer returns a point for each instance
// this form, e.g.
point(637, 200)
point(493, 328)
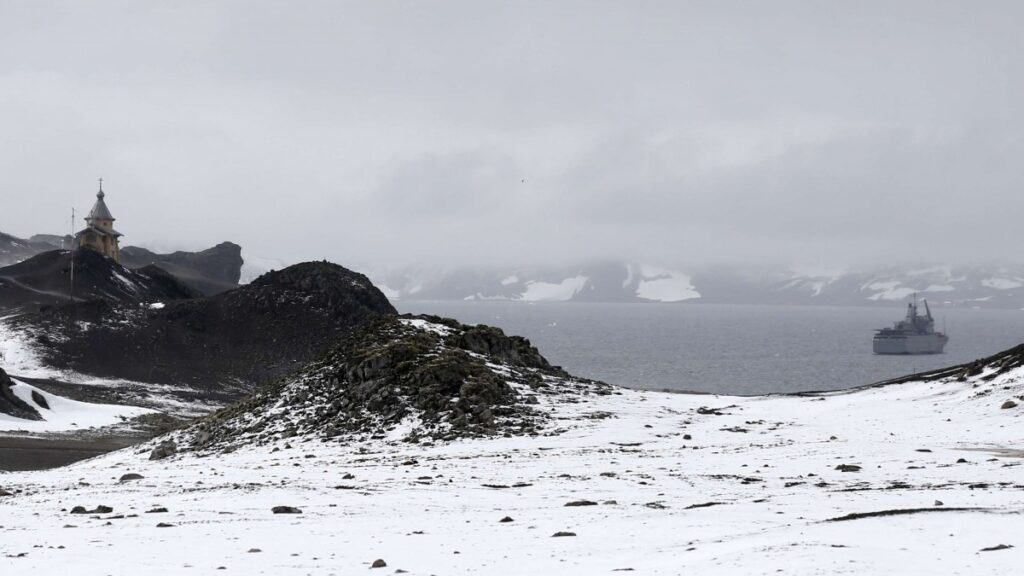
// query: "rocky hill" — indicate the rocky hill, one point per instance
point(235, 340)
point(209, 271)
point(45, 279)
point(13, 250)
point(411, 379)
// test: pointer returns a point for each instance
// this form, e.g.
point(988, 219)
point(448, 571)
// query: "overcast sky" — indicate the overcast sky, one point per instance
point(452, 133)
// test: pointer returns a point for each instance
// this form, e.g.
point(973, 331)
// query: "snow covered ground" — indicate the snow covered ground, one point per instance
point(20, 359)
point(650, 482)
point(63, 414)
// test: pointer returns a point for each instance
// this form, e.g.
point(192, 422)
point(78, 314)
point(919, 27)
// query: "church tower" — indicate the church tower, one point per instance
point(100, 235)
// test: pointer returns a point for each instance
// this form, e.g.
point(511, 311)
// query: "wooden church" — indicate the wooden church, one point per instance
point(99, 234)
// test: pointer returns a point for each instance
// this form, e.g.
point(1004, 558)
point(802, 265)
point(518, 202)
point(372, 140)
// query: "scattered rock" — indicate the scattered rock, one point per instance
point(704, 505)
point(581, 503)
point(285, 510)
point(1008, 404)
point(848, 468)
point(254, 551)
point(98, 510)
point(130, 476)
point(164, 525)
point(897, 512)
point(506, 519)
point(378, 563)
point(998, 547)
point(163, 450)
point(160, 510)
point(5, 493)
point(561, 534)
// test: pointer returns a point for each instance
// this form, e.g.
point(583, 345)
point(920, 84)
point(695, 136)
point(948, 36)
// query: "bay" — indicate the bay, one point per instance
point(729, 349)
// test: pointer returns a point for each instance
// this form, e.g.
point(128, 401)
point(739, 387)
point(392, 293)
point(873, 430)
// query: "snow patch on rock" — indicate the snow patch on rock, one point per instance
point(554, 292)
point(664, 285)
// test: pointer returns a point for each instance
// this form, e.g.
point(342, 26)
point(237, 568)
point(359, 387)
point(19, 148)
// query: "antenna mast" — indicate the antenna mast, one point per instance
point(71, 292)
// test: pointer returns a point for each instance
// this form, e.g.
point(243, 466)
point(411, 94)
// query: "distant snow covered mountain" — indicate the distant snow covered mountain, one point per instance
point(951, 286)
point(971, 286)
point(601, 282)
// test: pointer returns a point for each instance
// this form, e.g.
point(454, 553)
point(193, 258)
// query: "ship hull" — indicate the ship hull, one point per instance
point(910, 344)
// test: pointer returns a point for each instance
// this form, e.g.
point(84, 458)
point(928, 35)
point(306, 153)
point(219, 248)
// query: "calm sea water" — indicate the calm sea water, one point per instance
point(729, 349)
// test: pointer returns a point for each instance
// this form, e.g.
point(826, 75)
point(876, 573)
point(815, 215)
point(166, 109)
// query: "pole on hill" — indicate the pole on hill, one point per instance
point(71, 291)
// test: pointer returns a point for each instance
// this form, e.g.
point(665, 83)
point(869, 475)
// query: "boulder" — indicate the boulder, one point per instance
point(163, 450)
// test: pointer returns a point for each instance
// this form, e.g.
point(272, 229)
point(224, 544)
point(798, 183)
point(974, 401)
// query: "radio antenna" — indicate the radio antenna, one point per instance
point(71, 291)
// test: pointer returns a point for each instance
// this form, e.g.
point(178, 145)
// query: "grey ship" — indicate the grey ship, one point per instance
point(913, 335)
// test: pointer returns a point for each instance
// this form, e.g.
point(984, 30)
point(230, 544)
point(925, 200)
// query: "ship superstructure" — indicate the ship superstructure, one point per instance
point(915, 334)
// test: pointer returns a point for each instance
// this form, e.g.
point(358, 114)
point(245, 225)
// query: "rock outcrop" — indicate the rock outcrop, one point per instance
point(409, 379)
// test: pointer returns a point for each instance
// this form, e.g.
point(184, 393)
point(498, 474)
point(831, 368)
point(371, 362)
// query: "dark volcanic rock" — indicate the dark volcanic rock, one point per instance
point(45, 279)
point(229, 343)
point(210, 271)
point(285, 510)
point(11, 405)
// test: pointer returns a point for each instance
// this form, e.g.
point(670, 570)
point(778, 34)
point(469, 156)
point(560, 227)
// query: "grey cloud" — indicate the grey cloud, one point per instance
point(522, 133)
